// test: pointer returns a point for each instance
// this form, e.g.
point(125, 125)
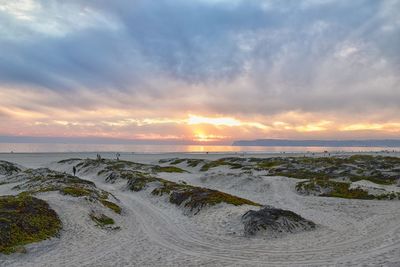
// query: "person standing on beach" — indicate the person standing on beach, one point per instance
point(74, 170)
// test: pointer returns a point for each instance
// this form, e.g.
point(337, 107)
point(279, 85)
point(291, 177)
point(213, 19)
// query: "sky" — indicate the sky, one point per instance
point(205, 71)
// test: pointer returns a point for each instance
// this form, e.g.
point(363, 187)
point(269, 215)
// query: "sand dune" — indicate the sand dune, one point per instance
point(154, 232)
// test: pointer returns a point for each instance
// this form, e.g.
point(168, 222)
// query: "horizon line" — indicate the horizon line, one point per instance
point(109, 140)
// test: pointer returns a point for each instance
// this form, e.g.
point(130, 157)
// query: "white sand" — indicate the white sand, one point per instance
point(373, 188)
point(156, 233)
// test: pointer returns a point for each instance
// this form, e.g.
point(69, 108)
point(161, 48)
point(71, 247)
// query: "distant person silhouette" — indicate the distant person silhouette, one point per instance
point(74, 170)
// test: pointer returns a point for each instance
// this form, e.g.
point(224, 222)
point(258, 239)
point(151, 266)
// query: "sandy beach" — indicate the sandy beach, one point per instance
point(153, 232)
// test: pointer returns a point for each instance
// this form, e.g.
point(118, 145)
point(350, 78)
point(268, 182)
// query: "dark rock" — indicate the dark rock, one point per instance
point(274, 222)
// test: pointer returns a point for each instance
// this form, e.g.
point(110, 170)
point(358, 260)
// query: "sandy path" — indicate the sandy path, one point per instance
point(163, 229)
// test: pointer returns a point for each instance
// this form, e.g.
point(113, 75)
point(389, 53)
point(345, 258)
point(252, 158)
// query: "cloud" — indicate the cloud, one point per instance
point(249, 60)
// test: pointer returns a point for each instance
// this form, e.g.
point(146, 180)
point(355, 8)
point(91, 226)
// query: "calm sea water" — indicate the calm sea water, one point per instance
point(42, 148)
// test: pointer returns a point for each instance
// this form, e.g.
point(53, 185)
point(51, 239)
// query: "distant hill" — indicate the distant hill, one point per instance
point(317, 143)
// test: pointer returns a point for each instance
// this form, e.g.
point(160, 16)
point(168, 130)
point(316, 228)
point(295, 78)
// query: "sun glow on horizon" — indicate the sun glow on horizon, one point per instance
point(218, 121)
point(191, 127)
point(201, 137)
point(222, 121)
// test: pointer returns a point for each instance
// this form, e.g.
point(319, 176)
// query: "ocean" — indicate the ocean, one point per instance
point(63, 148)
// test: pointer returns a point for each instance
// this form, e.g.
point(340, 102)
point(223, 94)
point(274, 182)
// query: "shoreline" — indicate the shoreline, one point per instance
point(36, 159)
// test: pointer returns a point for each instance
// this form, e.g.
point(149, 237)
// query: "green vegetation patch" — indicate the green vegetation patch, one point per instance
point(111, 205)
point(221, 162)
point(299, 174)
point(322, 174)
point(377, 169)
point(267, 164)
point(101, 219)
point(376, 180)
point(170, 169)
point(176, 161)
point(113, 169)
point(137, 181)
point(190, 162)
point(86, 163)
point(45, 180)
point(194, 162)
point(328, 188)
point(361, 158)
point(195, 198)
point(71, 160)
point(25, 219)
point(75, 191)
point(111, 165)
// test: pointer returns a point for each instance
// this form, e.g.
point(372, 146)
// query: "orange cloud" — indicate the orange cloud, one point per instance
point(200, 127)
point(392, 127)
